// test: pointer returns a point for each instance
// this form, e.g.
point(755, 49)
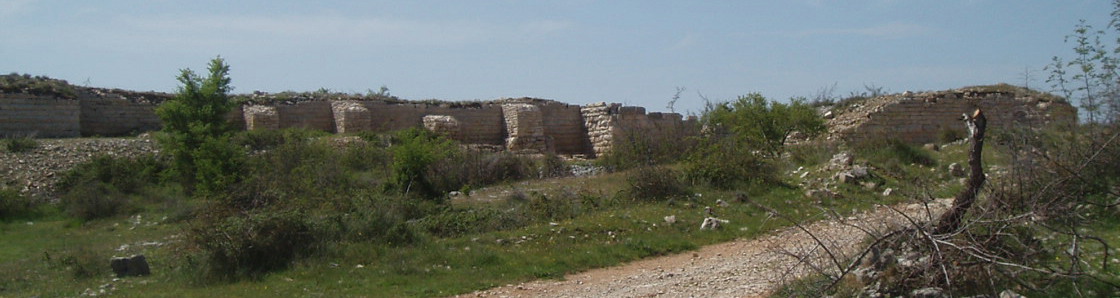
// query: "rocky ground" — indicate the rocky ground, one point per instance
point(743, 268)
point(35, 172)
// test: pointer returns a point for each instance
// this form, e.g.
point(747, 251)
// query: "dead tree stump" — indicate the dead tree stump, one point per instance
point(951, 220)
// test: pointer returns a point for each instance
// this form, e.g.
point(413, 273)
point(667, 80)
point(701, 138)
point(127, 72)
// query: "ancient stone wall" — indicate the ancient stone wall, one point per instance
point(40, 116)
point(525, 125)
point(601, 128)
point(924, 118)
point(565, 125)
point(306, 114)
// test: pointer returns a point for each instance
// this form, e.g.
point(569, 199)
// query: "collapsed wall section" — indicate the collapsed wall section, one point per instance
point(929, 117)
point(39, 116)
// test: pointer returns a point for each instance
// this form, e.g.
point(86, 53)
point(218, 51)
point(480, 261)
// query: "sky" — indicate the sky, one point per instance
point(576, 51)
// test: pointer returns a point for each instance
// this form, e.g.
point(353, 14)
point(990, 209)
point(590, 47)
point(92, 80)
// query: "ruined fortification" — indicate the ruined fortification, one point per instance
point(919, 118)
point(521, 124)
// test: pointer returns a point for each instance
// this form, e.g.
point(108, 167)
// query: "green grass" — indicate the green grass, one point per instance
point(616, 230)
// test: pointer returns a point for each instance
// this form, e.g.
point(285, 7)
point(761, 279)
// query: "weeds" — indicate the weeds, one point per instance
point(20, 144)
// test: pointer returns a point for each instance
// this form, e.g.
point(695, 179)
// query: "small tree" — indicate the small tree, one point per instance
point(196, 134)
point(763, 124)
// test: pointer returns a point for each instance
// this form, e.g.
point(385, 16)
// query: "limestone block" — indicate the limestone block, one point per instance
point(261, 117)
point(444, 125)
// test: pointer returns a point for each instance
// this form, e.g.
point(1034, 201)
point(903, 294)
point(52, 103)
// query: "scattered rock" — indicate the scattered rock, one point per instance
point(671, 219)
point(135, 265)
point(888, 192)
point(956, 170)
point(820, 194)
point(828, 115)
point(841, 160)
point(712, 223)
point(722, 203)
point(931, 147)
point(1010, 294)
point(930, 292)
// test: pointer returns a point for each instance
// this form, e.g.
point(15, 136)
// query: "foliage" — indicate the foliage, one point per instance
point(633, 149)
point(414, 152)
point(125, 174)
point(248, 245)
point(655, 183)
point(1091, 78)
point(37, 85)
point(893, 155)
point(102, 187)
point(14, 205)
point(264, 139)
point(727, 163)
point(762, 124)
point(20, 144)
point(98, 200)
point(195, 132)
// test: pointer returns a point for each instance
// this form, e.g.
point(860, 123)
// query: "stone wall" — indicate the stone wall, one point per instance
point(525, 125)
point(924, 118)
point(306, 114)
point(601, 127)
point(40, 116)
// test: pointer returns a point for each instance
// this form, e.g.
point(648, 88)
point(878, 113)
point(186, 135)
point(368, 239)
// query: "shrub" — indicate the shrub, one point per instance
point(21, 144)
point(127, 175)
point(761, 124)
point(14, 205)
point(264, 139)
point(248, 245)
point(949, 135)
point(414, 151)
point(726, 164)
point(893, 153)
point(552, 166)
point(82, 262)
point(96, 200)
point(654, 183)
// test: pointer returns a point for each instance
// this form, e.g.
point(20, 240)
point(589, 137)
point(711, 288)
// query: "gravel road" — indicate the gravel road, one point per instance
point(742, 268)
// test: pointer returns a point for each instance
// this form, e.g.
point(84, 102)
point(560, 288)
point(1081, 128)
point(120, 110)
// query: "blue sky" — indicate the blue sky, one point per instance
point(577, 51)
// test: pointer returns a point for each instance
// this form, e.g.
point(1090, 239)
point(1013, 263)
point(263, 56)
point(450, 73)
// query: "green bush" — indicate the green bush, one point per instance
point(264, 139)
point(726, 164)
point(82, 262)
point(761, 124)
point(96, 200)
point(949, 135)
point(14, 205)
point(893, 154)
point(249, 245)
point(124, 174)
point(414, 152)
point(655, 183)
point(22, 144)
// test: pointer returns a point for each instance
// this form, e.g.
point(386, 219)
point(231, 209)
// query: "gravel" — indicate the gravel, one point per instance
point(742, 268)
point(35, 172)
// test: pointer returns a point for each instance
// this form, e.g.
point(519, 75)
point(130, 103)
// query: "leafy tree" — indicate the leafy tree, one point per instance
point(414, 152)
point(195, 132)
point(763, 124)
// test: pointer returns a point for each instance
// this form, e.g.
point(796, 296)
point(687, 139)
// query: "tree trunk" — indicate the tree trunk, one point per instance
point(951, 220)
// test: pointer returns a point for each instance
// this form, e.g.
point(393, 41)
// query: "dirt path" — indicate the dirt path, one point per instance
point(742, 268)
